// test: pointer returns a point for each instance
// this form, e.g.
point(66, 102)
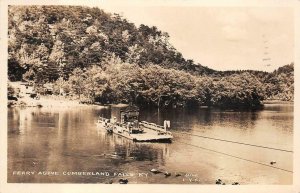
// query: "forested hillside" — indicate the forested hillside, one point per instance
point(57, 39)
point(98, 56)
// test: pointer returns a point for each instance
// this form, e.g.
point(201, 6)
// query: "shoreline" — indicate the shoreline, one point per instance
point(46, 102)
point(275, 101)
point(58, 101)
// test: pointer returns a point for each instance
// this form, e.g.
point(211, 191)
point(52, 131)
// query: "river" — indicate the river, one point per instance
point(64, 145)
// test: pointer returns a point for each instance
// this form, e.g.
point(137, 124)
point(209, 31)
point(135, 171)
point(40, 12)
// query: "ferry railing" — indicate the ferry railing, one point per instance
point(155, 127)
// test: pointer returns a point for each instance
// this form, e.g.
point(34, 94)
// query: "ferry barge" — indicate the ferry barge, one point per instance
point(125, 122)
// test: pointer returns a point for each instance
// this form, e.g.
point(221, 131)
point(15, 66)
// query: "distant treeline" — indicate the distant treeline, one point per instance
point(101, 57)
point(277, 85)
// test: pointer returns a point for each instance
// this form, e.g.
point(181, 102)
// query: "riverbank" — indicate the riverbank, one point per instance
point(45, 101)
point(60, 101)
point(277, 102)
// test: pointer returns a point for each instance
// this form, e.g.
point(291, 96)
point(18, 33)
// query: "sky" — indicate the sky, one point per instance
point(222, 38)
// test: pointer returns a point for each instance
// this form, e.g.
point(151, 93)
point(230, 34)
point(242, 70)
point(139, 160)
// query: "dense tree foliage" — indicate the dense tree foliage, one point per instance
point(101, 57)
point(280, 83)
point(277, 85)
point(238, 90)
point(50, 41)
point(154, 85)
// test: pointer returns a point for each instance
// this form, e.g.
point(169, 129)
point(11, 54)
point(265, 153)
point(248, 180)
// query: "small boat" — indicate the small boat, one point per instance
point(125, 122)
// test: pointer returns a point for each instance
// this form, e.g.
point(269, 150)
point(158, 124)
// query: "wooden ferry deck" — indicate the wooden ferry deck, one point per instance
point(147, 136)
point(125, 123)
point(151, 133)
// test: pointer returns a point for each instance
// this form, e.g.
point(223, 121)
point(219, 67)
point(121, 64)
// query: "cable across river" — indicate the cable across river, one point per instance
point(237, 157)
point(229, 141)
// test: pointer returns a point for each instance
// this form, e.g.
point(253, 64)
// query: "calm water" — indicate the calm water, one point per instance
point(66, 140)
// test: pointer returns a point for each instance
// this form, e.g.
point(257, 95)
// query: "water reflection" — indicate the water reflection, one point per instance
point(123, 148)
point(58, 139)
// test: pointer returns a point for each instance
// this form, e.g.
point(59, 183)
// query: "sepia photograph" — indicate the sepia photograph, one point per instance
point(101, 93)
